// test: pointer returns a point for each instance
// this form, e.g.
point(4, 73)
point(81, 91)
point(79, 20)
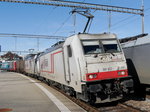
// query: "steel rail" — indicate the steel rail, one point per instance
point(80, 5)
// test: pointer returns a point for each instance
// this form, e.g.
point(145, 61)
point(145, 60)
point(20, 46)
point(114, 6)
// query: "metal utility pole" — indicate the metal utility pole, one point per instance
point(0, 48)
point(74, 23)
point(38, 44)
point(0, 52)
point(142, 15)
point(109, 25)
point(15, 43)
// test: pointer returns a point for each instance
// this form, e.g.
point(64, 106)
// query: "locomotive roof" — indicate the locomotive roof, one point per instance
point(97, 36)
point(139, 41)
point(53, 47)
point(81, 36)
point(132, 38)
point(29, 56)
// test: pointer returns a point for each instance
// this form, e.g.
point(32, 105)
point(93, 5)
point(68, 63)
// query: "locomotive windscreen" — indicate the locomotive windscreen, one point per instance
point(100, 46)
point(111, 46)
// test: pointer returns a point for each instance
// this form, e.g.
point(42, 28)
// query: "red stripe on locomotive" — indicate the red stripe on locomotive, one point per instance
point(106, 75)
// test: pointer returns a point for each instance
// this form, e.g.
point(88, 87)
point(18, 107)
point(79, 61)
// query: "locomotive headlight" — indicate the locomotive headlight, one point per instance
point(121, 73)
point(92, 76)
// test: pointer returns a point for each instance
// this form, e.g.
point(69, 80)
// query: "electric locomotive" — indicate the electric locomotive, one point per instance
point(8, 65)
point(91, 67)
point(29, 63)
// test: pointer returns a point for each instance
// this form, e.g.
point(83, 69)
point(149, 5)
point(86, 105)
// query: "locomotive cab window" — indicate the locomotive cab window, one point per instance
point(111, 46)
point(92, 47)
point(100, 46)
point(69, 51)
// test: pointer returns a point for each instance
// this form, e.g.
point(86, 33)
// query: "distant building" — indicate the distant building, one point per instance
point(10, 56)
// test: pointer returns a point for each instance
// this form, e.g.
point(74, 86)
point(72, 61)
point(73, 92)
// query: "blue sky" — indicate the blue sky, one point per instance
point(46, 20)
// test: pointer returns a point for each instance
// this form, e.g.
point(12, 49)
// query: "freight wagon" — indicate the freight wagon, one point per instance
point(137, 53)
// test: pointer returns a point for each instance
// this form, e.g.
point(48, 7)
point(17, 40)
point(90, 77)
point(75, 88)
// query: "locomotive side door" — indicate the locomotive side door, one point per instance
point(67, 54)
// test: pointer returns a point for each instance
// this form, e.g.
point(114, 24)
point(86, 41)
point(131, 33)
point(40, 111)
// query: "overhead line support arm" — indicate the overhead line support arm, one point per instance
point(31, 36)
point(80, 5)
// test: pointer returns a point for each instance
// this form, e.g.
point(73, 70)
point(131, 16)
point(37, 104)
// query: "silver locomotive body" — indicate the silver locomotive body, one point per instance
point(91, 67)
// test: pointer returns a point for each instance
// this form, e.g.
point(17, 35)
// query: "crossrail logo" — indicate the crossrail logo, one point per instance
point(5, 110)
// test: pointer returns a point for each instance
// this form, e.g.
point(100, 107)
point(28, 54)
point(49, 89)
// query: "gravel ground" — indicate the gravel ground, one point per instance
point(142, 105)
point(148, 100)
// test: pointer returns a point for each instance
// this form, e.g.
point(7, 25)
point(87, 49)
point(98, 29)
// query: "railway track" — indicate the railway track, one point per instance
point(148, 94)
point(119, 108)
point(110, 107)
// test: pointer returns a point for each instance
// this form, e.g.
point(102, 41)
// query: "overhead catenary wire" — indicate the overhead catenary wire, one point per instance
point(49, 13)
point(66, 20)
point(61, 25)
point(83, 1)
point(73, 4)
point(113, 26)
point(119, 22)
point(32, 36)
point(133, 20)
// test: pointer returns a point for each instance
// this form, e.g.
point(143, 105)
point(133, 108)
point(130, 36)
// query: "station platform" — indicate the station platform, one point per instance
point(19, 93)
